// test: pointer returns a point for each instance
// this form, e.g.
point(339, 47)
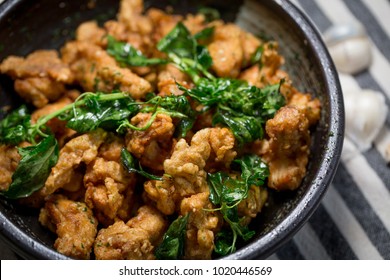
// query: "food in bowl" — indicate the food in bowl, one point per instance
point(154, 136)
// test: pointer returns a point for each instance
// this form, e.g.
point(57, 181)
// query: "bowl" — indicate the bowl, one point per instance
point(29, 25)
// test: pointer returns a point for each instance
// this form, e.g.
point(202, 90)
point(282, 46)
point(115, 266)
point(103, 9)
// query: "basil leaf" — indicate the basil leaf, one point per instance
point(205, 33)
point(185, 52)
point(245, 128)
point(257, 55)
point(177, 106)
point(179, 41)
point(210, 14)
point(227, 192)
point(33, 168)
point(126, 54)
point(130, 164)
point(241, 107)
point(253, 170)
point(172, 246)
point(14, 128)
point(97, 111)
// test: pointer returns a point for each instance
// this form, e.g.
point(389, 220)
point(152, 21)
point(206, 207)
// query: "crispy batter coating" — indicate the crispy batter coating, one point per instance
point(106, 184)
point(131, 14)
point(288, 151)
point(134, 240)
point(202, 226)
point(82, 149)
point(167, 80)
point(186, 167)
point(309, 106)
point(39, 78)
point(153, 145)
point(89, 31)
point(95, 70)
point(269, 73)
point(231, 49)
point(74, 224)
point(9, 162)
point(111, 148)
point(252, 205)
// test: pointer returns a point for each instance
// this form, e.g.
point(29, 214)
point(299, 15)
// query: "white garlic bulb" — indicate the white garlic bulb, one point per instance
point(365, 115)
point(349, 47)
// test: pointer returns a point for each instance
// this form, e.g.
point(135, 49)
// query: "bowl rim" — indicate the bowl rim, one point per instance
point(309, 202)
point(28, 248)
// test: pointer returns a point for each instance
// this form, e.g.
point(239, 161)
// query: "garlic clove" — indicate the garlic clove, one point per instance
point(349, 46)
point(365, 115)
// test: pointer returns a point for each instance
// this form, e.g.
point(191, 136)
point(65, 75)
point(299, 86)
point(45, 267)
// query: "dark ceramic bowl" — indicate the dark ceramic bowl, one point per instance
point(29, 25)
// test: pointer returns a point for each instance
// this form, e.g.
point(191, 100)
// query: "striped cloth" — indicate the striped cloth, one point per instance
point(353, 220)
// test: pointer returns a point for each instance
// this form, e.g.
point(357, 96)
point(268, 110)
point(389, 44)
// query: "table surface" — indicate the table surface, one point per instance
point(353, 220)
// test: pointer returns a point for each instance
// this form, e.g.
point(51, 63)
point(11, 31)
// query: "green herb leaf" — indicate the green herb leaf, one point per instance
point(245, 128)
point(33, 169)
point(128, 55)
point(185, 52)
point(14, 128)
point(172, 246)
point(132, 165)
point(177, 106)
point(210, 14)
point(227, 192)
point(241, 107)
point(97, 111)
point(205, 33)
point(256, 57)
point(253, 170)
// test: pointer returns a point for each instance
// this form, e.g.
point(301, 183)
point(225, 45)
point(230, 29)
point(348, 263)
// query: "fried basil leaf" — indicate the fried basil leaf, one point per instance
point(126, 54)
point(98, 110)
point(172, 246)
point(14, 128)
point(227, 192)
point(132, 165)
point(33, 169)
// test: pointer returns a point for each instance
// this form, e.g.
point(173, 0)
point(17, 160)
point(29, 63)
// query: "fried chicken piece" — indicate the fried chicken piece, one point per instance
point(186, 167)
point(162, 194)
point(89, 31)
point(9, 162)
point(167, 80)
point(132, 27)
point(106, 184)
point(131, 14)
point(252, 205)
point(163, 22)
point(201, 227)
point(82, 149)
point(269, 73)
point(222, 143)
point(153, 145)
point(39, 78)
point(74, 224)
point(111, 148)
point(231, 49)
point(96, 70)
point(288, 151)
point(150, 220)
point(135, 240)
point(309, 106)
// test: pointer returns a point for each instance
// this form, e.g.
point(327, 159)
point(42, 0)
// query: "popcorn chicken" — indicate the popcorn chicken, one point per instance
point(74, 224)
